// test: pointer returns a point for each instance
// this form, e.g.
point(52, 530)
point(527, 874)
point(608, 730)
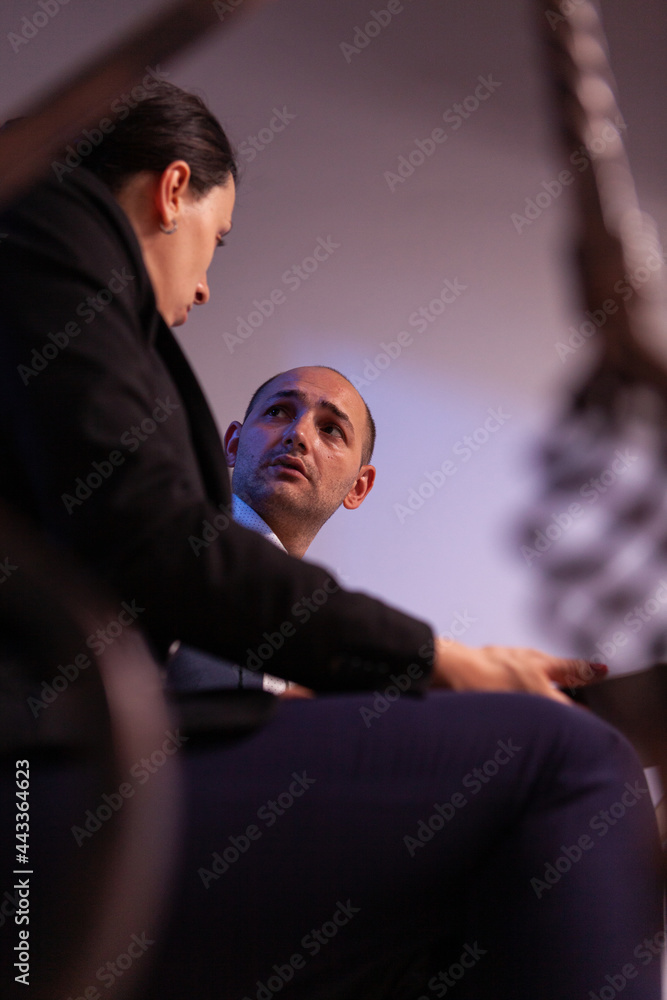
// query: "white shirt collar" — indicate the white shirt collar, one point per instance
point(246, 516)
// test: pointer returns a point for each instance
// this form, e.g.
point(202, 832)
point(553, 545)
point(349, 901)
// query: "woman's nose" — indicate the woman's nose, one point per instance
point(202, 295)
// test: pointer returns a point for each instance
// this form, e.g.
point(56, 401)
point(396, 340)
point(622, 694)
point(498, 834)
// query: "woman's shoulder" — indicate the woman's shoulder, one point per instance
point(74, 217)
point(67, 240)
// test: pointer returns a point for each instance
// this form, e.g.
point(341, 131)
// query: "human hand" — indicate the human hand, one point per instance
point(500, 668)
point(294, 690)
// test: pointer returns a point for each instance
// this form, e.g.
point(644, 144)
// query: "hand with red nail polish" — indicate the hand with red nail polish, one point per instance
point(499, 668)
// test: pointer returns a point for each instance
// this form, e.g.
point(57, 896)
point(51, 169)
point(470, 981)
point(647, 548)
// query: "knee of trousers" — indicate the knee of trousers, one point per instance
point(582, 743)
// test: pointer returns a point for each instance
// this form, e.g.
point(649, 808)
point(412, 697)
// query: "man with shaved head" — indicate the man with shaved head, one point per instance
point(302, 451)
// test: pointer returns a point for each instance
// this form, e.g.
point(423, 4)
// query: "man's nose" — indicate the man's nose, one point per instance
point(295, 435)
point(202, 295)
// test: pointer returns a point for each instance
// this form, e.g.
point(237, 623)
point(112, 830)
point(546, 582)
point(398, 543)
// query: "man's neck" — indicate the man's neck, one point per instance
point(295, 542)
point(296, 546)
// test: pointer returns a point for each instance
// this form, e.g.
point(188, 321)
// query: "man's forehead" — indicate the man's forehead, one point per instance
point(317, 385)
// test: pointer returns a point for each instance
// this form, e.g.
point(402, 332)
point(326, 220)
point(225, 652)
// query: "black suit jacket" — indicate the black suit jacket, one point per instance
point(107, 442)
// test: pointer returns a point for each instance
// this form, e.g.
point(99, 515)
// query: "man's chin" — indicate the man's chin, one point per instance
point(292, 489)
point(278, 492)
point(285, 474)
point(288, 494)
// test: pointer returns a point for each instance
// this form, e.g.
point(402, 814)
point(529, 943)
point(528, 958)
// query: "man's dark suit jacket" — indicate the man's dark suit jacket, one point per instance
point(86, 358)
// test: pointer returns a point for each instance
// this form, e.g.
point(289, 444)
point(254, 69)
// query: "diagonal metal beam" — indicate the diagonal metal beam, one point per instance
point(27, 148)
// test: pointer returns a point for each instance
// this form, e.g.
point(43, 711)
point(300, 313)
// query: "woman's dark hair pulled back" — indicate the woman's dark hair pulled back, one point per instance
point(167, 124)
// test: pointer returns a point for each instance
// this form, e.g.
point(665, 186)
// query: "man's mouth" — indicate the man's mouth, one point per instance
point(290, 463)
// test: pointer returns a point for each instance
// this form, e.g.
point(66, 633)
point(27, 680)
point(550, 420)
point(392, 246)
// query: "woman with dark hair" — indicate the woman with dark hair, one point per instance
point(168, 124)
point(169, 163)
point(379, 848)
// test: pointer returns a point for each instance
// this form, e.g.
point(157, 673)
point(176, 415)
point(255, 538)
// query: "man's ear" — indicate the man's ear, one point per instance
point(231, 442)
point(362, 487)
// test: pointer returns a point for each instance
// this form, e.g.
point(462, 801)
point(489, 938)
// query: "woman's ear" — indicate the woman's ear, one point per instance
point(172, 186)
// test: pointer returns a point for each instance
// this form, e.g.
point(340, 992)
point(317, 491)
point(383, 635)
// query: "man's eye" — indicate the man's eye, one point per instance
point(333, 430)
point(273, 411)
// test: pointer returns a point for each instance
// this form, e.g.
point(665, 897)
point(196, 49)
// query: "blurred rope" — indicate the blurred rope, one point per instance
point(597, 535)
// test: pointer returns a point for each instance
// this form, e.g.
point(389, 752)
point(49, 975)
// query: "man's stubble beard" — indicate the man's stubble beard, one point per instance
point(290, 507)
point(284, 507)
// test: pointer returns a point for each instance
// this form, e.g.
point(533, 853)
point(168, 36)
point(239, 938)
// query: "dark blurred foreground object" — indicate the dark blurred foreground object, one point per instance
point(636, 704)
point(96, 716)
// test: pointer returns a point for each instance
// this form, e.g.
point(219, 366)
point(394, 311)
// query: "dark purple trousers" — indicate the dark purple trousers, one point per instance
point(475, 846)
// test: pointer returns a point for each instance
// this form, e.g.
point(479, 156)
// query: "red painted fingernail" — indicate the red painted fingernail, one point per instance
point(599, 668)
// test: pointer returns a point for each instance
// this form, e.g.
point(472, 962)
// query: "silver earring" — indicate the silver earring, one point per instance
point(174, 227)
